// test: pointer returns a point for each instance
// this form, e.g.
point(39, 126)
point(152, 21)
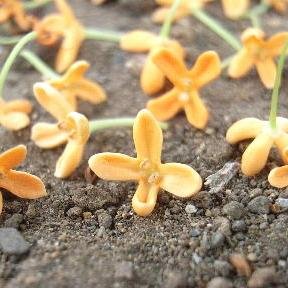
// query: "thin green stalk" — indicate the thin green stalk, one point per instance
point(254, 13)
point(166, 27)
point(100, 35)
point(38, 64)
point(30, 5)
point(276, 89)
point(216, 27)
point(12, 56)
point(96, 125)
point(226, 62)
point(255, 20)
point(9, 40)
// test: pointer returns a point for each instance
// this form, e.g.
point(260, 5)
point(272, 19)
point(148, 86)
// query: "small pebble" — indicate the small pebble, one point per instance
point(175, 279)
point(190, 209)
point(195, 232)
point(87, 215)
point(239, 226)
point(31, 211)
point(74, 211)
point(217, 240)
point(124, 270)
point(14, 221)
point(259, 205)
point(282, 202)
point(104, 219)
point(219, 282)
point(234, 210)
point(262, 277)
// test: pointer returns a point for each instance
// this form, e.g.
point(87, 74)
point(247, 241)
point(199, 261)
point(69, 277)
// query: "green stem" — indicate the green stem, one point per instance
point(96, 125)
point(9, 40)
point(225, 63)
point(12, 56)
point(166, 27)
point(276, 88)
point(40, 65)
point(35, 4)
point(109, 36)
point(255, 12)
point(255, 20)
point(216, 27)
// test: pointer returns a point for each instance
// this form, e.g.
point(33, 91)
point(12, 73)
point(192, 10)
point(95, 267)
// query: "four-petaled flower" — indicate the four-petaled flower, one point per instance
point(255, 156)
point(63, 25)
point(72, 128)
point(73, 83)
point(147, 169)
point(14, 114)
point(13, 9)
point(234, 9)
point(21, 184)
point(186, 83)
point(152, 79)
point(259, 52)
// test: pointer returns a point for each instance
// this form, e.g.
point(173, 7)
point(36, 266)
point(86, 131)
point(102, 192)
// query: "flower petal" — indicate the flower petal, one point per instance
point(138, 41)
point(283, 123)
point(144, 199)
point(166, 106)
point(13, 157)
point(160, 14)
point(171, 65)
point(148, 137)
point(14, 120)
point(282, 145)
point(152, 79)
point(275, 44)
point(278, 177)
point(241, 63)
point(51, 100)
point(179, 179)
point(65, 10)
point(23, 185)
point(196, 111)
point(234, 10)
point(115, 166)
point(46, 135)
point(267, 71)
point(19, 105)
point(206, 68)
point(244, 129)
point(255, 156)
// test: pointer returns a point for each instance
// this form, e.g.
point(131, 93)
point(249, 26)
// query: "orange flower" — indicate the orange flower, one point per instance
point(147, 169)
point(184, 9)
point(186, 83)
point(14, 114)
point(21, 184)
point(234, 9)
point(73, 83)
point(13, 9)
point(72, 128)
point(63, 25)
point(152, 79)
point(278, 177)
point(259, 52)
point(255, 156)
point(279, 5)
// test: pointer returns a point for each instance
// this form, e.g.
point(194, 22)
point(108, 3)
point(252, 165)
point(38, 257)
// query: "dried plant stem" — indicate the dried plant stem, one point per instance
point(101, 124)
point(12, 56)
point(35, 4)
point(109, 36)
point(217, 28)
point(166, 27)
point(276, 89)
point(38, 64)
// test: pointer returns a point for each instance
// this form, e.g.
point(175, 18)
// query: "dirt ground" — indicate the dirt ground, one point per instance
point(113, 247)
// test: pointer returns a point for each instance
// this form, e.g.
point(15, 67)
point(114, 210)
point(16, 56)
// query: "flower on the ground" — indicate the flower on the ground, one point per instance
point(14, 114)
point(63, 25)
point(73, 84)
point(71, 128)
point(184, 95)
point(255, 156)
point(138, 41)
point(21, 184)
point(259, 52)
point(147, 169)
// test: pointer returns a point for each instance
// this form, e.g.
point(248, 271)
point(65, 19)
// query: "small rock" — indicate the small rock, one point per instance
point(259, 205)
point(219, 282)
point(87, 215)
point(219, 180)
point(234, 210)
point(74, 211)
point(14, 221)
point(262, 277)
point(104, 219)
point(223, 268)
point(175, 279)
point(217, 240)
point(195, 232)
point(124, 270)
point(191, 209)
point(239, 226)
point(241, 264)
point(196, 258)
point(12, 242)
point(31, 211)
point(282, 202)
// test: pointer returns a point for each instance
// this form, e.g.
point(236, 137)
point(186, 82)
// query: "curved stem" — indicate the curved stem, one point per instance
point(276, 88)
point(96, 125)
point(216, 27)
point(38, 64)
point(166, 27)
point(109, 36)
point(35, 4)
point(12, 56)
point(254, 13)
point(9, 40)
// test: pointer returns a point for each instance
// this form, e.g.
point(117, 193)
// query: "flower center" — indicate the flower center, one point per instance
point(184, 97)
point(64, 126)
point(150, 171)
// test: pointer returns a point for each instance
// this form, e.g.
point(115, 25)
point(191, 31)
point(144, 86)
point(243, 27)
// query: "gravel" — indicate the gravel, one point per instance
point(219, 282)
point(234, 210)
point(262, 277)
point(259, 205)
